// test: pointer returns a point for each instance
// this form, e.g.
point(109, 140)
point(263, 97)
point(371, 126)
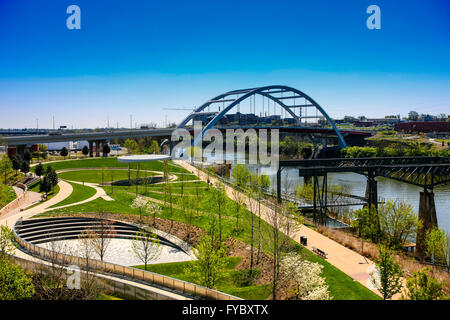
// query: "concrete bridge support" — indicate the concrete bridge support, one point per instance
point(372, 192)
point(97, 148)
point(91, 149)
point(428, 218)
point(372, 203)
point(307, 180)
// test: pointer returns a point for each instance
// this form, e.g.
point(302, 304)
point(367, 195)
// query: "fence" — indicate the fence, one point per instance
point(115, 287)
point(129, 272)
point(14, 204)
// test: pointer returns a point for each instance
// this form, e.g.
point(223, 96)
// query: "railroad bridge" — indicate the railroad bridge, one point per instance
point(424, 172)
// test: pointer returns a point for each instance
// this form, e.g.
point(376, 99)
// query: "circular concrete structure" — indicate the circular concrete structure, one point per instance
point(62, 235)
point(143, 158)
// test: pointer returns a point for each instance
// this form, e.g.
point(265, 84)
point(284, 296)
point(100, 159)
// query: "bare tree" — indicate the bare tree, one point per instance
point(146, 246)
point(277, 238)
point(86, 251)
point(105, 231)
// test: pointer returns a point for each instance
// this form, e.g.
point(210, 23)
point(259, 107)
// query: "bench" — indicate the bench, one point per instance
point(320, 253)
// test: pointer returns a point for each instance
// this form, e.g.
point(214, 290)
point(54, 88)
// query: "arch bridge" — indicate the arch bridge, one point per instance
point(291, 101)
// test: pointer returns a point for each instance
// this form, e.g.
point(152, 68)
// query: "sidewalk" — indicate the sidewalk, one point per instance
point(346, 260)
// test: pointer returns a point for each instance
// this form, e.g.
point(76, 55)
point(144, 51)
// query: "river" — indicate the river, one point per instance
point(356, 185)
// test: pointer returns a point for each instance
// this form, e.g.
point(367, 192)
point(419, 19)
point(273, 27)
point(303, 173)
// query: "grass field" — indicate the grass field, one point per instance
point(7, 195)
point(50, 195)
point(97, 176)
point(110, 162)
point(341, 286)
point(228, 281)
point(79, 193)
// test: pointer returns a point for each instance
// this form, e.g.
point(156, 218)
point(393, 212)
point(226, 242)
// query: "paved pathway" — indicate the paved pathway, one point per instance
point(65, 189)
point(348, 261)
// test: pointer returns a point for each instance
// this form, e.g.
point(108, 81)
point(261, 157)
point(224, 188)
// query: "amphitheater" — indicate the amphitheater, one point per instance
point(63, 235)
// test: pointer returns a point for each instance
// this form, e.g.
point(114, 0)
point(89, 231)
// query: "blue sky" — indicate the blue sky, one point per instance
point(137, 57)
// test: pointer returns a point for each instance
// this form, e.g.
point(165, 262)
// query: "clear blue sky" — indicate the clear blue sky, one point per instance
point(136, 57)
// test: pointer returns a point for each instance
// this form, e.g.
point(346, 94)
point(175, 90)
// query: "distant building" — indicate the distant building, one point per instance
point(423, 126)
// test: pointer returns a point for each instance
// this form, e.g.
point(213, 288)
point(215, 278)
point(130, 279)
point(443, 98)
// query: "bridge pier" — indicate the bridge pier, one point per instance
point(97, 148)
point(372, 193)
point(428, 218)
point(91, 149)
point(307, 180)
point(372, 202)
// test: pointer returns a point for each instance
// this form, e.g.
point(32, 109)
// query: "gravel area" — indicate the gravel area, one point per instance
point(119, 252)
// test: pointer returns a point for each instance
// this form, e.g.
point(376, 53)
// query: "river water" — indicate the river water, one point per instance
point(356, 185)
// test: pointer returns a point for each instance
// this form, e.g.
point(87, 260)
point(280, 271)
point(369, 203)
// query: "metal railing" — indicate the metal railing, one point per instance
point(129, 272)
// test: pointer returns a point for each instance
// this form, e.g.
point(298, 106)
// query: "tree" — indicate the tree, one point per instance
point(309, 285)
point(131, 145)
point(42, 147)
point(434, 240)
point(413, 116)
point(52, 176)
point(105, 231)
point(106, 149)
point(154, 147)
point(27, 156)
point(446, 250)
point(240, 175)
point(210, 261)
point(397, 221)
point(86, 250)
point(146, 247)
point(39, 171)
point(85, 151)
point(16, 162)
point(423, 286)
point(438, 246)
point(388, 279)
point(263, 186)
point(144, 205)
point(45, 185)
point(277, 238)
point(25, 167)
point(7, 241)
point(64, 152)
point(15, 283)
point(5, 167)
point(239, 198)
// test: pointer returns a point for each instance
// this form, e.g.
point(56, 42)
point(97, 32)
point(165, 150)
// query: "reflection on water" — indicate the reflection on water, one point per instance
point(356, 184)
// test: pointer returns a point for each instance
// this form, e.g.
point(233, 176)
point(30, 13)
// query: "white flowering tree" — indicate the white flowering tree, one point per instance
point(309, 285)
point(144, 205)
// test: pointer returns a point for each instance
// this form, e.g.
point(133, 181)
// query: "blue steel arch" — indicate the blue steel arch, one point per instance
point(263, 91)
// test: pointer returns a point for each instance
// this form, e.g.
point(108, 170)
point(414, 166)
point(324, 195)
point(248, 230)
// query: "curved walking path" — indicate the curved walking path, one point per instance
point(350, 262)
point(65, 190)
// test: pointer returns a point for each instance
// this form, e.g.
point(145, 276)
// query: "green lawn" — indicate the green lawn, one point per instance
point(104, 296)
point(51, 194)
point(7, 194)
point(340, 285)
point(95, 176)
point(110, 162)
point(228, 280)
point(79, 193)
